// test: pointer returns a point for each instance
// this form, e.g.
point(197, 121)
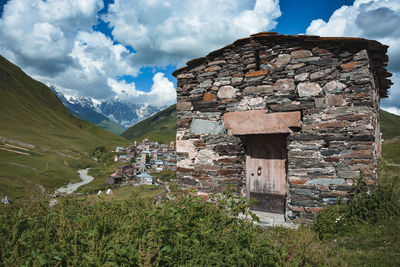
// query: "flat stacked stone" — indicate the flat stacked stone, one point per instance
point(336, 84)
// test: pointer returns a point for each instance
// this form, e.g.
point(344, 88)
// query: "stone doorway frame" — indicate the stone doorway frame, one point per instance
point(269, 185)
point(256, 122)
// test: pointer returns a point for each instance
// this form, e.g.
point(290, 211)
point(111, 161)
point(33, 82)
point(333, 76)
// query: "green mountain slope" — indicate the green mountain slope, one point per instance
point(31, 113)
point(101, 120)
point(160, 127)
point(110, 126)
point(390, 125)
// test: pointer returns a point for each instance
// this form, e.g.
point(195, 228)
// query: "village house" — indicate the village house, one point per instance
point(125, 172)
point(145, 178)
point(114, 179)
point(121, 158)
point(170, 164)
point(119, 149)
point(289, 120)
point(157, 165)
point(148, 157)
point(131, 151)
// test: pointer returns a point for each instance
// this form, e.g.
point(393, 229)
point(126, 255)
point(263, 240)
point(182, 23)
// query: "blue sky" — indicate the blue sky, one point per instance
point(297, 15)
point(105, 49)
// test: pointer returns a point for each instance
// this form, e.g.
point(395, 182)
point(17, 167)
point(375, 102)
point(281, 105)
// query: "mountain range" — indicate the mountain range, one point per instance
point(114, 115)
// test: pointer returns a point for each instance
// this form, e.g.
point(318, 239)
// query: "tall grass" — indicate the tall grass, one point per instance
point(189, 231)
point(185, 231)
point(369, 205)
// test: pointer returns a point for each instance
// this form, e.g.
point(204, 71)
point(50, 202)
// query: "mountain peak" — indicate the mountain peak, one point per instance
point(119, 109)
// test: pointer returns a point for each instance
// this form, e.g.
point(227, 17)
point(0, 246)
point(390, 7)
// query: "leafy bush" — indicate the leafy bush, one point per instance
point(381, 202)
point(184, 231)
point(300, 247)
point(102, 155)
point(165, 175)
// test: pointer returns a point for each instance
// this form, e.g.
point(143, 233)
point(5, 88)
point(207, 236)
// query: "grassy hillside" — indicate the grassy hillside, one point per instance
point(100, 120)
point(60, 143)
point(160, 127)
point(390, 125)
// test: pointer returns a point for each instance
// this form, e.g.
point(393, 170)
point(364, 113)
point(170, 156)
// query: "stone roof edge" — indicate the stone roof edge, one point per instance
point(376, 49)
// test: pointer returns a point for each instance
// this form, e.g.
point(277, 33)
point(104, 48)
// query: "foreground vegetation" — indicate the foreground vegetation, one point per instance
point(185, 231)
point(130, 228)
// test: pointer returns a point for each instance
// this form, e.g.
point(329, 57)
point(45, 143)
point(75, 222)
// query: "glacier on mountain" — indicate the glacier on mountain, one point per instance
point(118, 110)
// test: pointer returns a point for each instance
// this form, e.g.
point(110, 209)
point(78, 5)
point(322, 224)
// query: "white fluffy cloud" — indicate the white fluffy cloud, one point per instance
point(54, 41)
point(163, 31)
point(38, 34)
point(373, 19)
point(393, 110)
point(161, 93)
point(96, 59)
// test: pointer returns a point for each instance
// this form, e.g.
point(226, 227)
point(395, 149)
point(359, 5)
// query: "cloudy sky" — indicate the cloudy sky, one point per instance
point(106, 48)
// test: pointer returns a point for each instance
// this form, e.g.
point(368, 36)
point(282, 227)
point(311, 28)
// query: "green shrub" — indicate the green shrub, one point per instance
point(102, 155)
point(369, 205)
point(165, 175)
point(331, 221)
point(300, 247)
point(184, 231)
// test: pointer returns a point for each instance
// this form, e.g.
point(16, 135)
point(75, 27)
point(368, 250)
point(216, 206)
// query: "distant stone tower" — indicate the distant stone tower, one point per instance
point(142, 165)
point(290, 120)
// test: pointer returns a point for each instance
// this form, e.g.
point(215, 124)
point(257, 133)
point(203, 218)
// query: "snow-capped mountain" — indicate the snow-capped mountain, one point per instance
point(118, 110)
point(124, 113)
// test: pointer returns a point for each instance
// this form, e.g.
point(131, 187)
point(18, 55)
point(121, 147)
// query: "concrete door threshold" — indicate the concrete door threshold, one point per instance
point(268, 219)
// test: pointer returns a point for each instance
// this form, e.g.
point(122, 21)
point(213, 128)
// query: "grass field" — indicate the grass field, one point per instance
point(132, 192)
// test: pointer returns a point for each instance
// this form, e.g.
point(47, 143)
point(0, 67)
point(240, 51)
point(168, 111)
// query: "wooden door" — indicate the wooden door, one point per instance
point(266, 171)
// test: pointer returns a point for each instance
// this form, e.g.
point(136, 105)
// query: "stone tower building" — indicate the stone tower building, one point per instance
point(289, 120)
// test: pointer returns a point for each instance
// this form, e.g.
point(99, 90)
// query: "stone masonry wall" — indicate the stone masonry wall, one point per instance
point(332, 85)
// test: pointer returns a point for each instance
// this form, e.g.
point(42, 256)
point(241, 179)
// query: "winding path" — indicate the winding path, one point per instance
point(70, 188)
